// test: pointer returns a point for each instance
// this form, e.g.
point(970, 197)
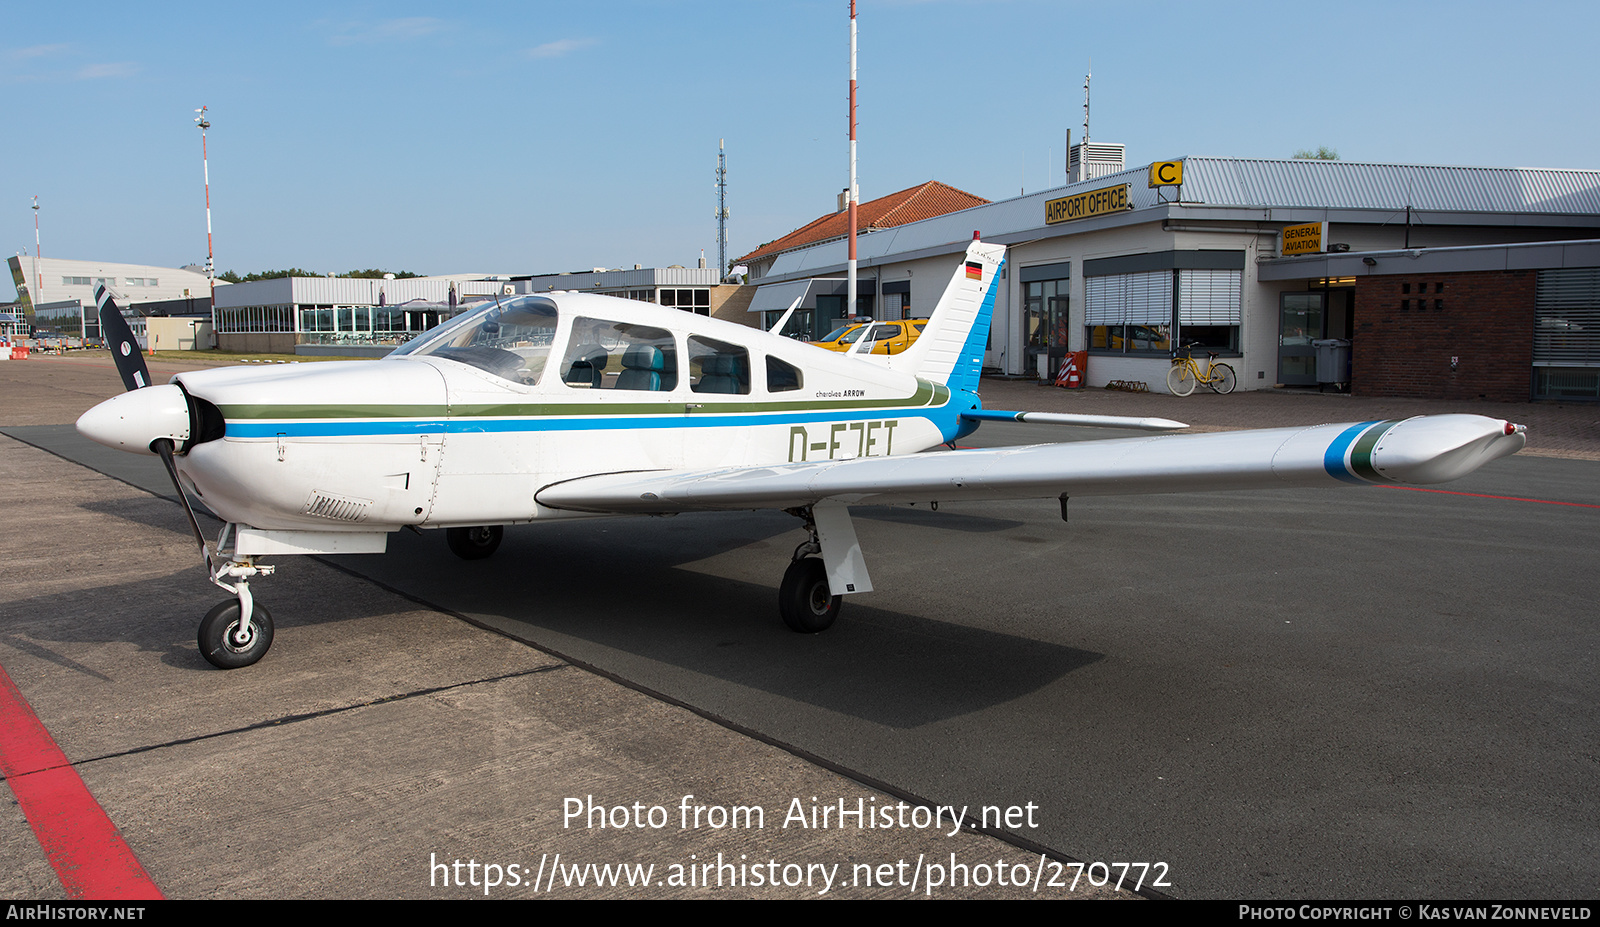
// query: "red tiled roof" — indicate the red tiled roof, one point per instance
point(923, 201)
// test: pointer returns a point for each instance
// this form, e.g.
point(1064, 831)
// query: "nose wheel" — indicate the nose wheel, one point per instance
point(228, 643)
point(237, 632)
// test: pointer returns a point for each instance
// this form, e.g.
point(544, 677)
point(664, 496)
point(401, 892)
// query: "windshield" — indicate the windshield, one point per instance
point(839, 331)
point(508, 338)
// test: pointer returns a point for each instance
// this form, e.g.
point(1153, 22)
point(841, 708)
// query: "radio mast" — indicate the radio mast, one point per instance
point(722, 211)
point(1083, 147)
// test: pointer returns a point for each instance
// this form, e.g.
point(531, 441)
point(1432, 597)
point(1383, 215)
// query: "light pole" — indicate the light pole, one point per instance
point(205, 161)
point(853, 193)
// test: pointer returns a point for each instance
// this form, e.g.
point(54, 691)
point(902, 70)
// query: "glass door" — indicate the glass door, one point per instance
point(1300, 322)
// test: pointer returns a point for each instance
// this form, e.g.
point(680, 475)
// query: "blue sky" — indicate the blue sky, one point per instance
point(539, 137)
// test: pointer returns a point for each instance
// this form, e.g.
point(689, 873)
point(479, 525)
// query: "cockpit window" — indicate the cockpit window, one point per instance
point(717, 366)
point(509, 338)
point(619, 355)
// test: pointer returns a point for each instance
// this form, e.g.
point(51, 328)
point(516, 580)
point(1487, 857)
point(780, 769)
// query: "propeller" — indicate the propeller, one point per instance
point(157, 410)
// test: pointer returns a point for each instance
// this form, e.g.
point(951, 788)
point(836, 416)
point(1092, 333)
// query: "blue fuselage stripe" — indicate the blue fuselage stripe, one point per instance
point(358, 428)
point(1333, 460)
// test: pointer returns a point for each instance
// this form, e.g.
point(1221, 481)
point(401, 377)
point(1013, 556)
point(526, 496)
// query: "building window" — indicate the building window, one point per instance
point(388, 319)
point(1566, 334)
point(1149, 312)
point(1210, 306)
point(254, 319)
point(316, 318)
point(798, 327)
point(697, 301)
point(1129, 313)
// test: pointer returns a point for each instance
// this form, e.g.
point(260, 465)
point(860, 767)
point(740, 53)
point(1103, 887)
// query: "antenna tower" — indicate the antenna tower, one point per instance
point(1083, 148)
point(722, 211)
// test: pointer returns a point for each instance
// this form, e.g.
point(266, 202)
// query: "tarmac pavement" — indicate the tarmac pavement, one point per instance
point(1427, 732)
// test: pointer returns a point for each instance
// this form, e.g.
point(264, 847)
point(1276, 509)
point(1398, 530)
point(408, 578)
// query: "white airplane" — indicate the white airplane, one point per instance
point(565, 405)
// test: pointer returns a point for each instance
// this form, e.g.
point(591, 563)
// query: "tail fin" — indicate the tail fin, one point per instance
point(950, 349)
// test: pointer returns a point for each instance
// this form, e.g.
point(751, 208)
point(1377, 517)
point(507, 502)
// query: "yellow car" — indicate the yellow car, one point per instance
point(887, 337)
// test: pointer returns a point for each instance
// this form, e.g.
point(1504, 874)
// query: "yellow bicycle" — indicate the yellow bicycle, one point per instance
point(1185, 373)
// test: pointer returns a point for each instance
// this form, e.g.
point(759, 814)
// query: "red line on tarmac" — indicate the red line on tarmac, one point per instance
point(1479, 495)
point(90, 857)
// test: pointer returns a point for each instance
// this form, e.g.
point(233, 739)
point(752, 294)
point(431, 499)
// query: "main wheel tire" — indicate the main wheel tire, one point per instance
point(805, 600)
point(1180, 379)
point(474, 543)
point(1222, 379)
point(219, 638)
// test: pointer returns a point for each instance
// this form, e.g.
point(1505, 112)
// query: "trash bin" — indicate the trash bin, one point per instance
point(1333, 361)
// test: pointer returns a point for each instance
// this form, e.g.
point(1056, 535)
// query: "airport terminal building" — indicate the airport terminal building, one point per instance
point(58, 294)
point(1447, 282)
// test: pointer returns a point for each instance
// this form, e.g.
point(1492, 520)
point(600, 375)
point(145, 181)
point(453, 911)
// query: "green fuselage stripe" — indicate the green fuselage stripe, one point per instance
point(927, 394)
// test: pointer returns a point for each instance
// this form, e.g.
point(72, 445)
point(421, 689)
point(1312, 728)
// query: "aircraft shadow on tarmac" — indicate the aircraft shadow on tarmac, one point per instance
point(651, 600)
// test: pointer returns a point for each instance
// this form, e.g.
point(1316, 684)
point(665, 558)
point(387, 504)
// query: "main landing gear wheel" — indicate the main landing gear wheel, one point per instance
point(805, 600)
point(225, 645)
point(1180, 379)
point(1222, 379)
point(474, 543)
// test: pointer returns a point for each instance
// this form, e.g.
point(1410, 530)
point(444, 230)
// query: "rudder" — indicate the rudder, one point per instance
point(950, 349)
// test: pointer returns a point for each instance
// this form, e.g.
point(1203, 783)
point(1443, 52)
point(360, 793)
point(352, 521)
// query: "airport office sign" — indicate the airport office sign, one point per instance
point(1087, 205)
point(1310, 238)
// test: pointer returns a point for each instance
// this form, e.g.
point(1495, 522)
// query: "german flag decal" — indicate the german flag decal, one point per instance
point(974, 270)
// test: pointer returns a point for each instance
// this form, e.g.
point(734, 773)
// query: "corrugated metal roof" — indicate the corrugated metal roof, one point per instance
point(1355, 185)
point(643, 277)
point(344, 291)
point(1247, 183)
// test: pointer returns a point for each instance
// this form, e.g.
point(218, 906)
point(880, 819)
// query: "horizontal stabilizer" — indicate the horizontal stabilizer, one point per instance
point(1067, 418)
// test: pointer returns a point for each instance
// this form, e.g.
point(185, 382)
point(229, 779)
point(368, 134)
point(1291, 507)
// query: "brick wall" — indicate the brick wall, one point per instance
point(1408, 327)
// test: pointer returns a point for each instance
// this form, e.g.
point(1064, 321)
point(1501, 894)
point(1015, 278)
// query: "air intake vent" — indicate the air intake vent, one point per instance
point(336, 508)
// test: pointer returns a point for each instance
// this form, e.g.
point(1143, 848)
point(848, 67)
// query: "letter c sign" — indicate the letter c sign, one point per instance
point(1166, 174)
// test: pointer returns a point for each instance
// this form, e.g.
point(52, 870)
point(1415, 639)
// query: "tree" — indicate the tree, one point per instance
point(1323, 153)
point(232, 277)
point(375, 274)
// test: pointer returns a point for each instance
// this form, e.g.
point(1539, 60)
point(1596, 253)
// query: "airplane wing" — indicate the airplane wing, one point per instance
point(1426, 449)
